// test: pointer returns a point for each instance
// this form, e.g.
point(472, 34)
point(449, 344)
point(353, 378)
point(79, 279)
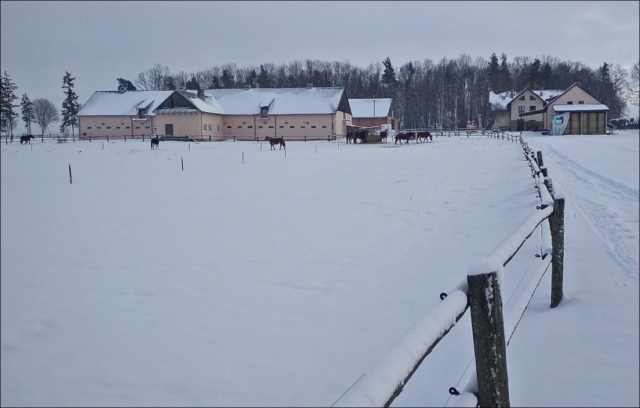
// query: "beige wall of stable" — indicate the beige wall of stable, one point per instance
point(113, 126)
point(191, 124)
point(214, 126)
point(575, 95)
point(287, 126)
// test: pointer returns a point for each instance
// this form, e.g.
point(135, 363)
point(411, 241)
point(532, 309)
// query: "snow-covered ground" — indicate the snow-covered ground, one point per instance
point(281, 281)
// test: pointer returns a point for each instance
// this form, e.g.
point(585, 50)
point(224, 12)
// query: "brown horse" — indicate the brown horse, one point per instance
point(155, 142)
point(26, 139)
point(423, 136)
point(404, 136)
point(276, 141)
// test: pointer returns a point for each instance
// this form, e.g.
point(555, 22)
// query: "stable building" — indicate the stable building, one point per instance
point(217, 114)
point(585, 114)
point(373, 112)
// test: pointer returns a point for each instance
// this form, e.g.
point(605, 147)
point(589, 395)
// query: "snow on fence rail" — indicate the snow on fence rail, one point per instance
point(480, 292)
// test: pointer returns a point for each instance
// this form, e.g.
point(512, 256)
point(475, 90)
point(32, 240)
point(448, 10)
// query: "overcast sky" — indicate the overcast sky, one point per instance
point(98, 42)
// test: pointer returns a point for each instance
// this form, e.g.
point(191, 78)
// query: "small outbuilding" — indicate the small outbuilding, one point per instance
point(373, 112)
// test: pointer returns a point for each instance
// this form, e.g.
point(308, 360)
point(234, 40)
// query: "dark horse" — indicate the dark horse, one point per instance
point(155, 142)
point(424, 136)
point(404, 136)
point(383, 135)
point(362, 135)
point(26, 139)
point(350, 137)
point(276, 141)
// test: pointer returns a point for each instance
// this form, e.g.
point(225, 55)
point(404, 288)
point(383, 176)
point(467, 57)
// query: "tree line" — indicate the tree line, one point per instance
point(446, 93)
point(40, 111)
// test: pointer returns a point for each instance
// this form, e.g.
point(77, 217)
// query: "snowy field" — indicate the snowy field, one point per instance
point(280, 281)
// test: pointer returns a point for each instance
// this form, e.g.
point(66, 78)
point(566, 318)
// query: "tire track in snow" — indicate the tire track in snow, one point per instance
point(607, 205)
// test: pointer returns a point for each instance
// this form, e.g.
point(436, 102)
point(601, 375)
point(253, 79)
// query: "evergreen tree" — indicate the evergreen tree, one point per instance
point(126, 84)
point(192, 84)
point(389, 78)
point(546, 77)
point(228, 80)
point(263, 78)
point(215, 82)
point(252, 79)
point(534, 74)
point(505, 75)
point(494, 74)
point(70, 105)
point(27, 112)
point(7, 115)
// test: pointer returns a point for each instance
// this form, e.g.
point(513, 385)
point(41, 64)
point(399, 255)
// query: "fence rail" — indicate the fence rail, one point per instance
point(488, 385)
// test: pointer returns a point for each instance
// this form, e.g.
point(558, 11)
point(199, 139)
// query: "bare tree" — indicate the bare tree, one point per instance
point(155, 78)
point(632, 85)
point(45, 113)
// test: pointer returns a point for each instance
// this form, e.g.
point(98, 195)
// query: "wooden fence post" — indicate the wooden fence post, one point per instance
point(539, 154)
point(556, 226)
point(488, 339)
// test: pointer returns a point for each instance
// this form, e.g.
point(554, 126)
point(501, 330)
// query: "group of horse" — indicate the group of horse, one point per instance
point(362, 135)
point(405, 136)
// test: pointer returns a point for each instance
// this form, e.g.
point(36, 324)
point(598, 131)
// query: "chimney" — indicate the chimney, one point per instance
point(201, 94)
point(309, 86)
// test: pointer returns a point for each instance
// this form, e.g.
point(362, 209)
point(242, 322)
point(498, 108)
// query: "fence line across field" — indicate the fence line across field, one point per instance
point(488, 385)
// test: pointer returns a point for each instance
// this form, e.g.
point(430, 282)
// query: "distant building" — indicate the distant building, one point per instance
point(373, 112)
point(506, 107)
point(587, 115)
point(534, 110)
point(217, 114)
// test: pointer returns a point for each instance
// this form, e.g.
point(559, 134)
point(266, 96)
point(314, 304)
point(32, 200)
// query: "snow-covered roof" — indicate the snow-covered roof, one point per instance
point(222, 101)
point(581, 108)
point(283, 100)
point(209, 105)
point(504, 98)
point(114, 103)
point(364, 108)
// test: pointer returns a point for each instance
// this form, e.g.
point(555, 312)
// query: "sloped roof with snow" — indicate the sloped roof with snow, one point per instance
point(284, 101)
point(209, 105)
point(114, 103)
point(364, 108)
point(504, 98)
point(581, 107)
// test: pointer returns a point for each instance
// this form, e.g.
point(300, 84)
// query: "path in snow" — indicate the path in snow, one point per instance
point(608, 202)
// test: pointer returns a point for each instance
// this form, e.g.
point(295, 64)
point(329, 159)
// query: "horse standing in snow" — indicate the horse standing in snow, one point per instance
point(276, 141)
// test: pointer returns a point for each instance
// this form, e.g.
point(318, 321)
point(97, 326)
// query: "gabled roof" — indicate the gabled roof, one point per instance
point(543, 94)
point(568, 89)
point(364, 108)
point(281, 101)
point(209, 105)
point(114, 103)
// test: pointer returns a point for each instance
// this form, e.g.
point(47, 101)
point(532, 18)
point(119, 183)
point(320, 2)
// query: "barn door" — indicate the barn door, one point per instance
point(574, 123)
point(168, 129)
